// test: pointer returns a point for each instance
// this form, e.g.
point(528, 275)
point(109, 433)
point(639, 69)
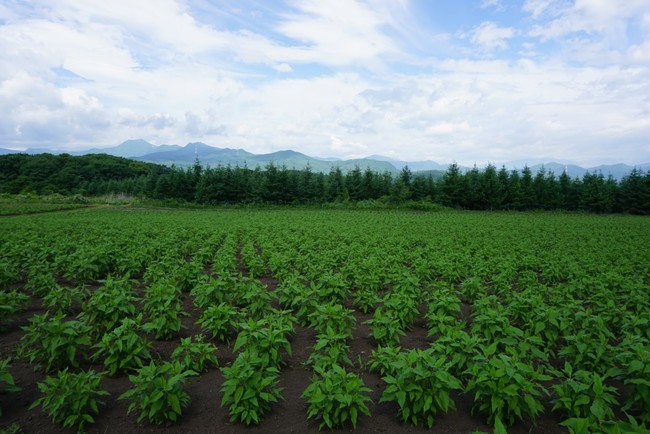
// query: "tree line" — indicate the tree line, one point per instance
point(478, 189)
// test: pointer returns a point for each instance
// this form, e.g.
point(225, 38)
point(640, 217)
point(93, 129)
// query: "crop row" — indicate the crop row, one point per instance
point(521, 312)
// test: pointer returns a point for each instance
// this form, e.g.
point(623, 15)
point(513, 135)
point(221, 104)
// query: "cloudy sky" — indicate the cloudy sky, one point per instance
point(447, 80)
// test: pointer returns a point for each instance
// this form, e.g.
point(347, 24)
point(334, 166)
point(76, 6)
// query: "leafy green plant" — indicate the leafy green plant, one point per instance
point(459, 347)
point(186, 275)
point(164, 308)
point(631, 426)
point(252, 297)
point(403, 307)
point(194, 354)
point(331, 287)
point(635, 373)
point(219, 320)
point(472, 289)
point(108, 305)
point(295, 296)
point(365, 299)
point(7, 383)
point(71, 399)
point(491, 322)
point(210, 291)
point(336, 397)
point(250, 387)
point(420, 383)
point(158, 392)
point(440, 323)
point(588, 348)
point(252, 260)
point(265, 337)
point(40, 280)
point(86, 263)
point(583, 394)
point(333, 315)
point(11, 302)
point(385, 328)
point(381, 359)
point(331, 348)
point(504, 387)
point(54, 343)
point(14, 428)
point(63, 299)
point(442, 312)
point(123, 348)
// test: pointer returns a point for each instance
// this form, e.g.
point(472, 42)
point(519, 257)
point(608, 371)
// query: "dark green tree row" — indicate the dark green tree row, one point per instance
point(479, 189)
point(522, 190)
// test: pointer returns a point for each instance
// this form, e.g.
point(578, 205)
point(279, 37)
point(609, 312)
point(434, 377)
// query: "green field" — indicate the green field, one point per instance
point(529, 317)
point(14, 205)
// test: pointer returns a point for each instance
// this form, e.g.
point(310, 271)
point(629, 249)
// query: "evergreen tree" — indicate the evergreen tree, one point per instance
point(527, 191)
point(354, 183)
point(491, 190)
point(451, 186)
point(335, 184)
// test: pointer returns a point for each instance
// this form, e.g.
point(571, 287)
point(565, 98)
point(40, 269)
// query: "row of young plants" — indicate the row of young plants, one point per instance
point(552, 312)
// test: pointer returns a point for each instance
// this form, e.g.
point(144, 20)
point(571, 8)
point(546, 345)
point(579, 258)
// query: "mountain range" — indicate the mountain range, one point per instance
point(212, 156)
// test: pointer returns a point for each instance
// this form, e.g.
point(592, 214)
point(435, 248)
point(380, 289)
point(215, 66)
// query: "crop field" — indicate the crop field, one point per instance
point(294, 320)
point(10, 209)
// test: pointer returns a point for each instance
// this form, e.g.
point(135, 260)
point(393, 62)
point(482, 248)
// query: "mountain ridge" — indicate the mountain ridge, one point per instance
point(141, 150)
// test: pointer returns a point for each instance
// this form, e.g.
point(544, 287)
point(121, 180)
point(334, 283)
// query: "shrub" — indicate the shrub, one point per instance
point(123, 348)
point(54, 343)
point(195, 355)
point(265, 337)
point(583, 394)
point(218, 320)
point(158, 392)
point(336, 397)
point(420, 384)
point(11, 302)
point(505, 388)
point(164, 307)
point(71, 399)
point(250, 388)
point(108, 305)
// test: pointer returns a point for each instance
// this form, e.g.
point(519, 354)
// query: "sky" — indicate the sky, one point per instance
point(471, 81)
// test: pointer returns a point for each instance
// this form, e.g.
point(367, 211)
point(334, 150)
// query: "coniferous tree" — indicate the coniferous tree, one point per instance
point(451, 186)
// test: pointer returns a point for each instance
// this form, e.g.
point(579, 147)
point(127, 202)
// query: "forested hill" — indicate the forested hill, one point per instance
point(479, 189)
point(66, 174)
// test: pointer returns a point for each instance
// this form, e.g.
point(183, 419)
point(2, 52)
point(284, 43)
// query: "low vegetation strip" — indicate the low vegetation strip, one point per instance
point(296, 320)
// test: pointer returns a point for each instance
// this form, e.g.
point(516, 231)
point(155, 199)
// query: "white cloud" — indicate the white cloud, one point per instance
point(496, 4)
point(537, 8)
point(283, 67)
point(330, 79)
point(489, 36)
point(338, 32)
point(608, 18)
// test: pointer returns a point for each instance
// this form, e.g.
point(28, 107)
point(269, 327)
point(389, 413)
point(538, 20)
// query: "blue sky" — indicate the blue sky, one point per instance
point(467, 81)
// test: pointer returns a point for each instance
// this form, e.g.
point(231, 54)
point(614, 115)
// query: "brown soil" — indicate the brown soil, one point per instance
point(205, 414)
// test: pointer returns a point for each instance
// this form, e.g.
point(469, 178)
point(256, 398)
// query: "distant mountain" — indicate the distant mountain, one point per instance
point(556, 168)
point(131, 148)
point(4, 151)
point(617, 171)
point(34, 151)
point(212, 156)
point(414, 166)
point(208, 155)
